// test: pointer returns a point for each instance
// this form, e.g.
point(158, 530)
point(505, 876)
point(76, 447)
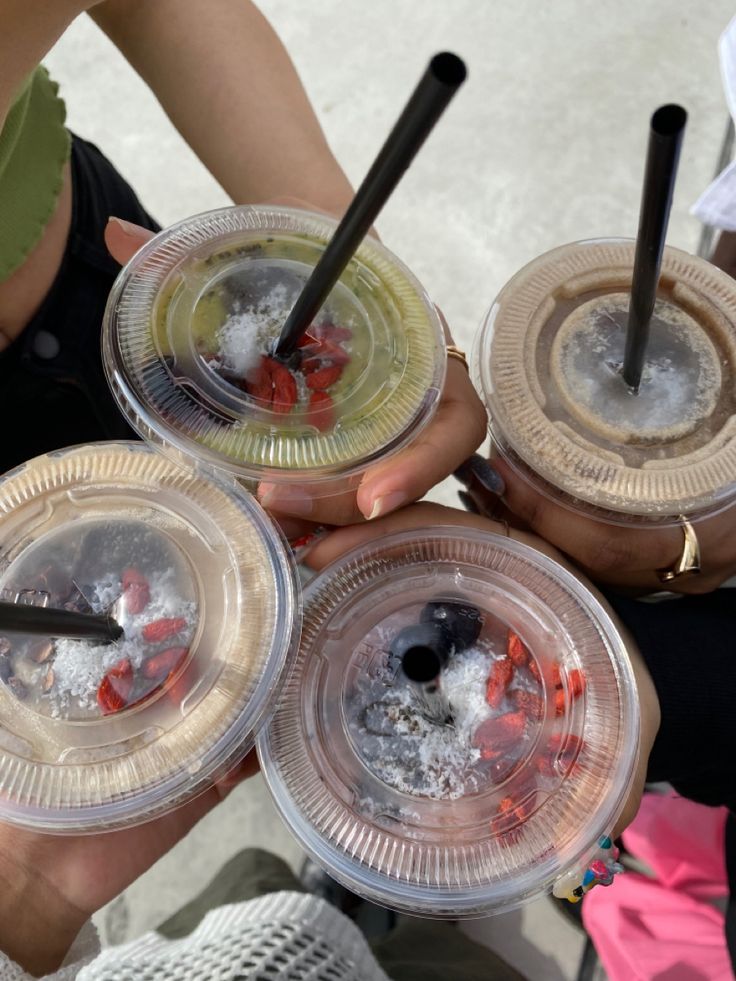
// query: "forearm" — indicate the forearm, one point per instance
point(37, 927)
point(28, 29)
point(229, 86)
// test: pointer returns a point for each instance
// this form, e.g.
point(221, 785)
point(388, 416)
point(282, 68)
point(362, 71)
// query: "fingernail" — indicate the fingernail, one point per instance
point(288, 500)
point(468, 503)
point(479, 468)
point(301, 547)
point(126, 227)
point(386, 503)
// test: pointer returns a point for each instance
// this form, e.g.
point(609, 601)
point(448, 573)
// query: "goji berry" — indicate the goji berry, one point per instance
point(160, 630)
point(506, 808)
point(301, 541)
point(322, 379)
point(513, 724)
point(576, 686)
point(560, 702)
point(506, 805)
point(310, 365)
point(259, 382)
point(523, 810)
point(528, 702)
point(115, 688)
point(576, 681)
point(164, 663)
point(284, 387)
point(136, 591)
point(534, 670)
point(555, 675)
point(321, 411)
point(515, 649)
point(499, 679)
point(494, 737)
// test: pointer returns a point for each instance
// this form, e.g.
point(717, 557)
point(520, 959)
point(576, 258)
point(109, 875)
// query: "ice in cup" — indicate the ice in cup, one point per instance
point(548, 363)
point(488, 803)
point(96, 736)
point(193, 320)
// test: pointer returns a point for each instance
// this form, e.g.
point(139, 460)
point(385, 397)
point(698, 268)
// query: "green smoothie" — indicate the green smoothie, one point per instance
point(194, 318)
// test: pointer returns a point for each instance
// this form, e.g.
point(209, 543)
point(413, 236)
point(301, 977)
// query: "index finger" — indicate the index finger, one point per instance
point(423, 515)
point(123, 238)
point(457, 430)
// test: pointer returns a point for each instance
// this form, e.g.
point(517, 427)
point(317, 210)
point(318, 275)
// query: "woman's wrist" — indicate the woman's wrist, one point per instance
point(37, 925)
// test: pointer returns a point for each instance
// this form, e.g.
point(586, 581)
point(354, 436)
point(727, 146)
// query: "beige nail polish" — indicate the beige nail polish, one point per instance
point(387, 502)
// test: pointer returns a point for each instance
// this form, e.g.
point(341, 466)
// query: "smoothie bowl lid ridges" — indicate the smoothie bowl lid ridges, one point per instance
point(168, 331)
point(450, 853)
point(575, 464)
point(94, 736)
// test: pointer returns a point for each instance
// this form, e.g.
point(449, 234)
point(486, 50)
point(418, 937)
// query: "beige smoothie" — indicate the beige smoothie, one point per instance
point(548, 362)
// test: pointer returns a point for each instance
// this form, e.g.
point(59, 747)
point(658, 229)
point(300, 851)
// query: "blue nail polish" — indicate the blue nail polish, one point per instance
point(468, 503)
point(486, 475)
point(463, 473)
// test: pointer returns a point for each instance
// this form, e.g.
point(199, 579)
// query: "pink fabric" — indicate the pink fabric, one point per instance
point(665, 928)
point(682, 843)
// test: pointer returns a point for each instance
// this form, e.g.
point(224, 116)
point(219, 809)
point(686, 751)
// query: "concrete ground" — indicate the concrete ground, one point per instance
point(545, 144)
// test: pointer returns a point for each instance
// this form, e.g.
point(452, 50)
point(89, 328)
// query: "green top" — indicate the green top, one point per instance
point(34, 146)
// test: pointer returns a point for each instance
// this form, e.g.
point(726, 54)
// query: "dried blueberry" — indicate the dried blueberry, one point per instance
point(423, 650)
point(17, 687)
point(463, 623)
point(6, 667)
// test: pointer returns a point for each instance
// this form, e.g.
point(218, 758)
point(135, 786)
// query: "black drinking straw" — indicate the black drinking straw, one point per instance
point(665, 139)
point(444, 75)
point(422, 666)
point(51, 622)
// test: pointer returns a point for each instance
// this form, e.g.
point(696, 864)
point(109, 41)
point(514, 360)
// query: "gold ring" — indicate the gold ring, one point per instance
point(689, 560)
point(455, 352)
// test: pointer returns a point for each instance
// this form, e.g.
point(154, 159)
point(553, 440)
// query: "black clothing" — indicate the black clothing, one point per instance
point(52, 385)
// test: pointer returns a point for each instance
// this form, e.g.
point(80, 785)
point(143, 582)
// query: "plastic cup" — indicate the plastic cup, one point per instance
point(102, 736)
point(483, 809)
point(548, 362)
point(193, 315)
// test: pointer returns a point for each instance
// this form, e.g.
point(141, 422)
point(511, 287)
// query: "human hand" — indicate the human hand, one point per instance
point(427, 515)
point(626, 558)
point(51, 885)
point(457, 429)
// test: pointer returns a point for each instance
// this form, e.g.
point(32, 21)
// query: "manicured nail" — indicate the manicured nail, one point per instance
point(126, 227)
point(468, 503)
point(289, 500)
point(389, 502)
point(479, 468)
point(302, 546)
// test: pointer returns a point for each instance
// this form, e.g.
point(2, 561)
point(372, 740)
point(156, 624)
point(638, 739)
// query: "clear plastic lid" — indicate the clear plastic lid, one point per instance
point(548, 362)
point(94, 735)
point(472, 792)
point(193, 316)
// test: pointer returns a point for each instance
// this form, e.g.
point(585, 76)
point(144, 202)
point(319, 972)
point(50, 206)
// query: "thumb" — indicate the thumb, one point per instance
point(123, 239)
